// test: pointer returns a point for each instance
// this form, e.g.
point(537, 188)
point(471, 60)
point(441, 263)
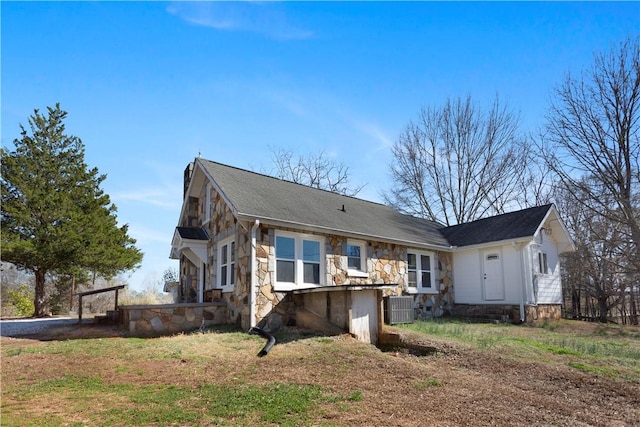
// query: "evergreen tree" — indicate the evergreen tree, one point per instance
point(55, 216)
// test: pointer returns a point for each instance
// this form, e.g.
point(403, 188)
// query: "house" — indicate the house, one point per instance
point(273, 253)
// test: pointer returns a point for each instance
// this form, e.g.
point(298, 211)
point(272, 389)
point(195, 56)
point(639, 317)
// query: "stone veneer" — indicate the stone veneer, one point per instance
point(543, 312)
point(385, 265)
point(171, 318)
point(533, 313)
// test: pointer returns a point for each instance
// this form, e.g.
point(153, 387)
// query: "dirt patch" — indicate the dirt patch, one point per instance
point(452, 385)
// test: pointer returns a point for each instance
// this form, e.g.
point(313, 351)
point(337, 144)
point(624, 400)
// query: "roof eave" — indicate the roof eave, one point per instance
point(515, 240)
point(346, 233)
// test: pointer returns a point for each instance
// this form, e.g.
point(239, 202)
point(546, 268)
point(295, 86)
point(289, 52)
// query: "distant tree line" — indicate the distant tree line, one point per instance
point(461, 161)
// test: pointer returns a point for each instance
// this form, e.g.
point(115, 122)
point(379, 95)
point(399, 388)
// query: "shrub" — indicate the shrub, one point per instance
point(22, 299)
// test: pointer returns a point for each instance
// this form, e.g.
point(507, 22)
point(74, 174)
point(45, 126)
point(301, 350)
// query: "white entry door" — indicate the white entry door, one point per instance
point(492, 276)
point(364, 316)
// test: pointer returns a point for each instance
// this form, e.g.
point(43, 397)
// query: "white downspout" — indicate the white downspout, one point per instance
point(528, 271)
point(254, 265)
point(523, 278)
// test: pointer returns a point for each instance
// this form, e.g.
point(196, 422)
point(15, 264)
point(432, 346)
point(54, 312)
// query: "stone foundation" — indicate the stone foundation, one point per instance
point(543, 312)
point(510, 313)
point(500, 313)
point(171, 318)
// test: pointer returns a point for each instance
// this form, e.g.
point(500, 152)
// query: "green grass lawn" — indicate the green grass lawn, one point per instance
point(610, 350)
point(215, 378)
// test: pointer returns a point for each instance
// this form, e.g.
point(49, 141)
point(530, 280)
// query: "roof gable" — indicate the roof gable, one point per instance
point(513, 225)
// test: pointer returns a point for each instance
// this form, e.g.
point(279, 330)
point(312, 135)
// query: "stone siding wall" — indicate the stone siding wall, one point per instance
point(223, 225)
point(171, 318)
point(543, 312)
point(436, 305)
point(273, 309)
point(386, 264)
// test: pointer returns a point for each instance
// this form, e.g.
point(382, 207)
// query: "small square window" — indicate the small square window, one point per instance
point(356, 258)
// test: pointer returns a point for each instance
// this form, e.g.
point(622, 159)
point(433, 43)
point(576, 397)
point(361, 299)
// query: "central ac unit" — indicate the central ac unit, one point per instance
point(399, 309)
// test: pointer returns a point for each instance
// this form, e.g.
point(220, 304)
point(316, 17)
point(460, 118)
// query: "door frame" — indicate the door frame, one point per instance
point(498, 288)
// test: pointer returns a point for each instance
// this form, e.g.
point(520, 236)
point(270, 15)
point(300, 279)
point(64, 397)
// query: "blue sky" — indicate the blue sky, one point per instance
point(150, 85)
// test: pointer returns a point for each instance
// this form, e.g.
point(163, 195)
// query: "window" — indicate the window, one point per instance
point(207, 204)
point(356, 258)
point(299, 260)
point(420, 272)
point(542, 263)
point(227, 264)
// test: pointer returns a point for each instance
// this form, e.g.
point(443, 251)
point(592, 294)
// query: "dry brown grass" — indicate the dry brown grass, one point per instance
point(456, 386)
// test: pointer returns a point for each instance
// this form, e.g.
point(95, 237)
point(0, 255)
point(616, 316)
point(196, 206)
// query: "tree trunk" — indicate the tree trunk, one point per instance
point(604, 310)
point(575, 304)
point(39, 297)
point(633, 316)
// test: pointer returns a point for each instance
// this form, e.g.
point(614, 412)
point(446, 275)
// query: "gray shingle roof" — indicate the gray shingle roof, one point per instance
point(259, 196)
point(513, 225)
point(267, 198)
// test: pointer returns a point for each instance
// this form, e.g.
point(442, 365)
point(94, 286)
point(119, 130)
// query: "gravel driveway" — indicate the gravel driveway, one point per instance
point(19, 327)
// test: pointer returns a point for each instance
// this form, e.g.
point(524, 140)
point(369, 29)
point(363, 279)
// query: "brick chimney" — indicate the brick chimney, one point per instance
point(188, 171)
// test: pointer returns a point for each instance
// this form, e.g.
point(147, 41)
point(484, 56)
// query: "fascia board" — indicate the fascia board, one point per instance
point(517, 240)
point(215, 185)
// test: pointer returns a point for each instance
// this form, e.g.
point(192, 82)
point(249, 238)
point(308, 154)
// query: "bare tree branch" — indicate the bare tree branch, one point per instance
point(314, 170)
point(459, 162)
point(593, 132)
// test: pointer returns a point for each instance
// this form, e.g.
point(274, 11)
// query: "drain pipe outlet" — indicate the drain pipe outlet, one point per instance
point(254, 272)
point(270, 340)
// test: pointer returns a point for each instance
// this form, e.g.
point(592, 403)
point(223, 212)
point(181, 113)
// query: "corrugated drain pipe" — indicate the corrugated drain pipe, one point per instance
point(271, 340)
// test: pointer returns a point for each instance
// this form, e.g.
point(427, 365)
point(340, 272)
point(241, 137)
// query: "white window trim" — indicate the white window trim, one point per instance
point(419, 289)
point(229, 287)
point(362, 271)
point(299, 284)
point(543, 263)
point(207, 204)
